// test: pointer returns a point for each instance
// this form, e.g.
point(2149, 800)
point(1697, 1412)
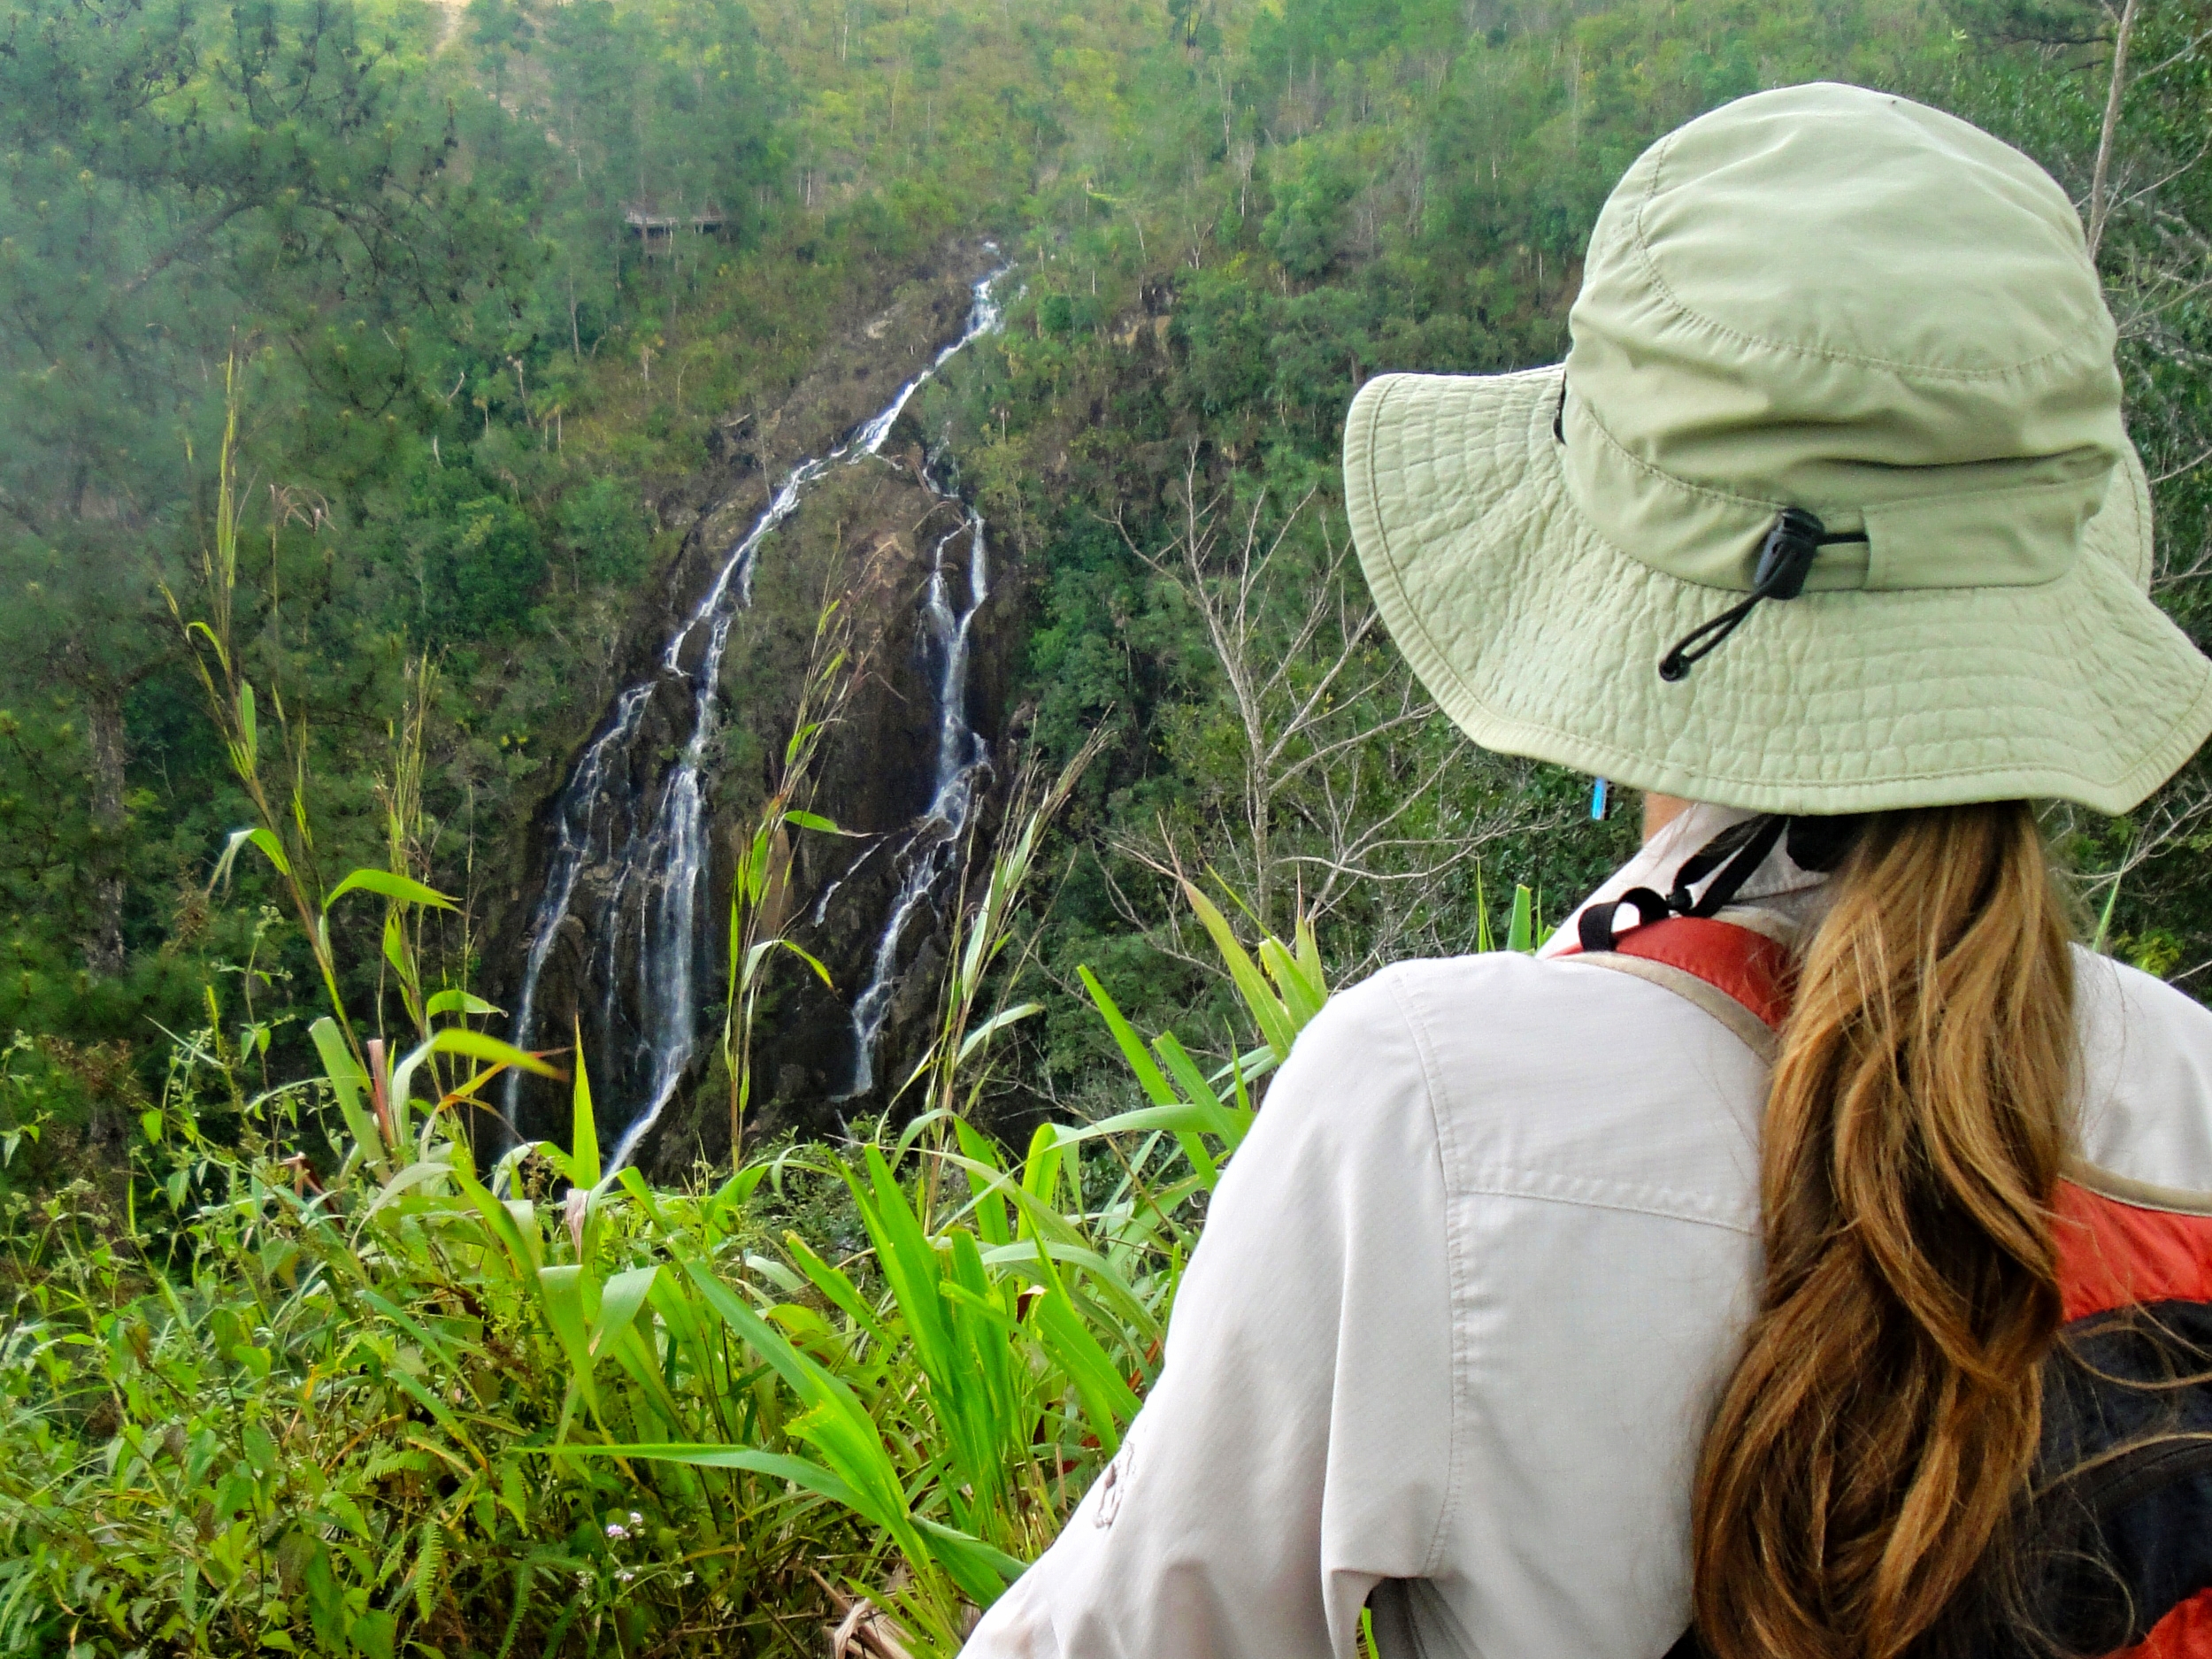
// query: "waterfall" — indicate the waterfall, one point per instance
point(933, 848)
point(657, 859)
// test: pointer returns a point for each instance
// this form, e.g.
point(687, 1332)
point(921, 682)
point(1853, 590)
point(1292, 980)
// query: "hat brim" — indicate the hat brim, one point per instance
point(1539, 638)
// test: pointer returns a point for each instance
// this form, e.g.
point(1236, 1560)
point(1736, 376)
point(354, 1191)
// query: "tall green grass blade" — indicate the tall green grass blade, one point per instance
point(1149, 1077)
point(1109, 1402)
point(1301, 995)
point(457, 1001)
point(1040, 1177)
point(1185, 1072)
point(980, 1165)
point(1267, 1009)
point(569, 1293)
point(2104, 919)
point(398, 888)
point(837, 1286)
point(1521, 931)
point(620, 1300)
point(992, 1026)
point(578, 1166)
point(350, 1083)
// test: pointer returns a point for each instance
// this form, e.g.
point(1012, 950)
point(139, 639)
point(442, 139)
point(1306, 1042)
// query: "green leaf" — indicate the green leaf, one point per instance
point(1309, 957)
point(1267, 1009)
point(376, 1633)
point(325, 1606)
point(429, 1561)
point(820, 973)
point(248, 729)
point(1041, 1174)
point(981, 1569)
point(836, 1284)
point(262, 841)
point(752, 870)
point(1109, 1402)
point(2102, 942)
point(581, 1164)
point(1302, 997)
point(569, 1292)
point(459, 1039)
point(481, 1046)
point(997, 1022)
point(1520, 933)
point(1186, 1072)
point(1149, 1076)
point(1178, 1118)
point(813, 821)
point(413, 1175)
point(620, 1302)
point(985, 1178)
point(506, 1224)
point(395, 947)
point(457, 1002)
point(755, 1332)
point(806, 1476)
point(398, 888)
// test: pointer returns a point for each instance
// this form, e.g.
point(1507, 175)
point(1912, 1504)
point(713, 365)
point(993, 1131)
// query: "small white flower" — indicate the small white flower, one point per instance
point(636, 1519)
point(625, 1575)
point(615, 1529)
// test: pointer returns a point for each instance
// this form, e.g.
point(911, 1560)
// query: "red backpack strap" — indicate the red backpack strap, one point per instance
point(2185, 1633)
point(1740, 976)
point(2121, 1243)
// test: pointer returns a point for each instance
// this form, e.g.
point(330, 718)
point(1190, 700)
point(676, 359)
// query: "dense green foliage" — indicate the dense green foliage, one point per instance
point(283, 1367)
point(475, 398)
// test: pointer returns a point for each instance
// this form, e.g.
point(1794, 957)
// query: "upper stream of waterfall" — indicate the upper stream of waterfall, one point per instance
point(651, 846)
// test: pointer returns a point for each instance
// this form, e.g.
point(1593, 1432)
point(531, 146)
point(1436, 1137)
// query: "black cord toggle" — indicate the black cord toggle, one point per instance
point(1786, 558)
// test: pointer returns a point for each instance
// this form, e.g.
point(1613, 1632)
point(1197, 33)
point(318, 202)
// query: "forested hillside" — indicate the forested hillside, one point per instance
point(383, 382)
point(478, 412)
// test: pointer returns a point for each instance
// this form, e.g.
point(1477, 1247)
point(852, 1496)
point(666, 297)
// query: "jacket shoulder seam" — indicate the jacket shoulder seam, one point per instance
point(1455, 1273)
point(1597, 1193)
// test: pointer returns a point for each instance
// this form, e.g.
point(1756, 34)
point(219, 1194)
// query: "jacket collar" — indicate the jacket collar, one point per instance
point(1789, 898)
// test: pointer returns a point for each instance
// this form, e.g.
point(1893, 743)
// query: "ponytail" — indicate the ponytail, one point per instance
point(1882, 1423)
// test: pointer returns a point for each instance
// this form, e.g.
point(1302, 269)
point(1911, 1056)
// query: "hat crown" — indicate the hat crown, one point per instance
point(1841, 300)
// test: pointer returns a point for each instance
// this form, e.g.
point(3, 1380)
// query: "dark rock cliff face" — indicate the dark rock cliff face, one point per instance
point(580, 936)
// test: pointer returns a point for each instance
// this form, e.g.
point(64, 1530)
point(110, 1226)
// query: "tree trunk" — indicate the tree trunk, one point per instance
point(103, 940)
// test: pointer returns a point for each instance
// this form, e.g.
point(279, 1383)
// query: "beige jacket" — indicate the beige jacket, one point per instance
point(1462, 1308)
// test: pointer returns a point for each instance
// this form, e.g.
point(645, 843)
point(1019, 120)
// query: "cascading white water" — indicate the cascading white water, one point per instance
point(934, 848)
point(665, 855)
point(572, 840)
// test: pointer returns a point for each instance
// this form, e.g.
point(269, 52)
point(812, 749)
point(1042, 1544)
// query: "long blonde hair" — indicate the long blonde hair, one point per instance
point(1881, 1428)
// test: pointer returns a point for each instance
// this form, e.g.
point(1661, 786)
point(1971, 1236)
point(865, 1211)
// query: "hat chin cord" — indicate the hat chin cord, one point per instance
point(1786, 558)
point(1725, 863)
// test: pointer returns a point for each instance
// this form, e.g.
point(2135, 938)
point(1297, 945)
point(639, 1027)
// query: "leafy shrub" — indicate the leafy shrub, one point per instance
point(408, 1405)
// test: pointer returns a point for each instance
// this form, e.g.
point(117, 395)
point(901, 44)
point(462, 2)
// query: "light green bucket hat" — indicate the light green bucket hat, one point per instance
point(1821, 298)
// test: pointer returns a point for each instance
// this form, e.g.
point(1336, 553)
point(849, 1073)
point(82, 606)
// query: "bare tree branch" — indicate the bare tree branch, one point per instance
point(2114, 91)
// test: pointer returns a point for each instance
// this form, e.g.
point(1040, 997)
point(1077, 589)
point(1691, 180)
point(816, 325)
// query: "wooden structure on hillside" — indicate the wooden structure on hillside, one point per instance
point(658, 230)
